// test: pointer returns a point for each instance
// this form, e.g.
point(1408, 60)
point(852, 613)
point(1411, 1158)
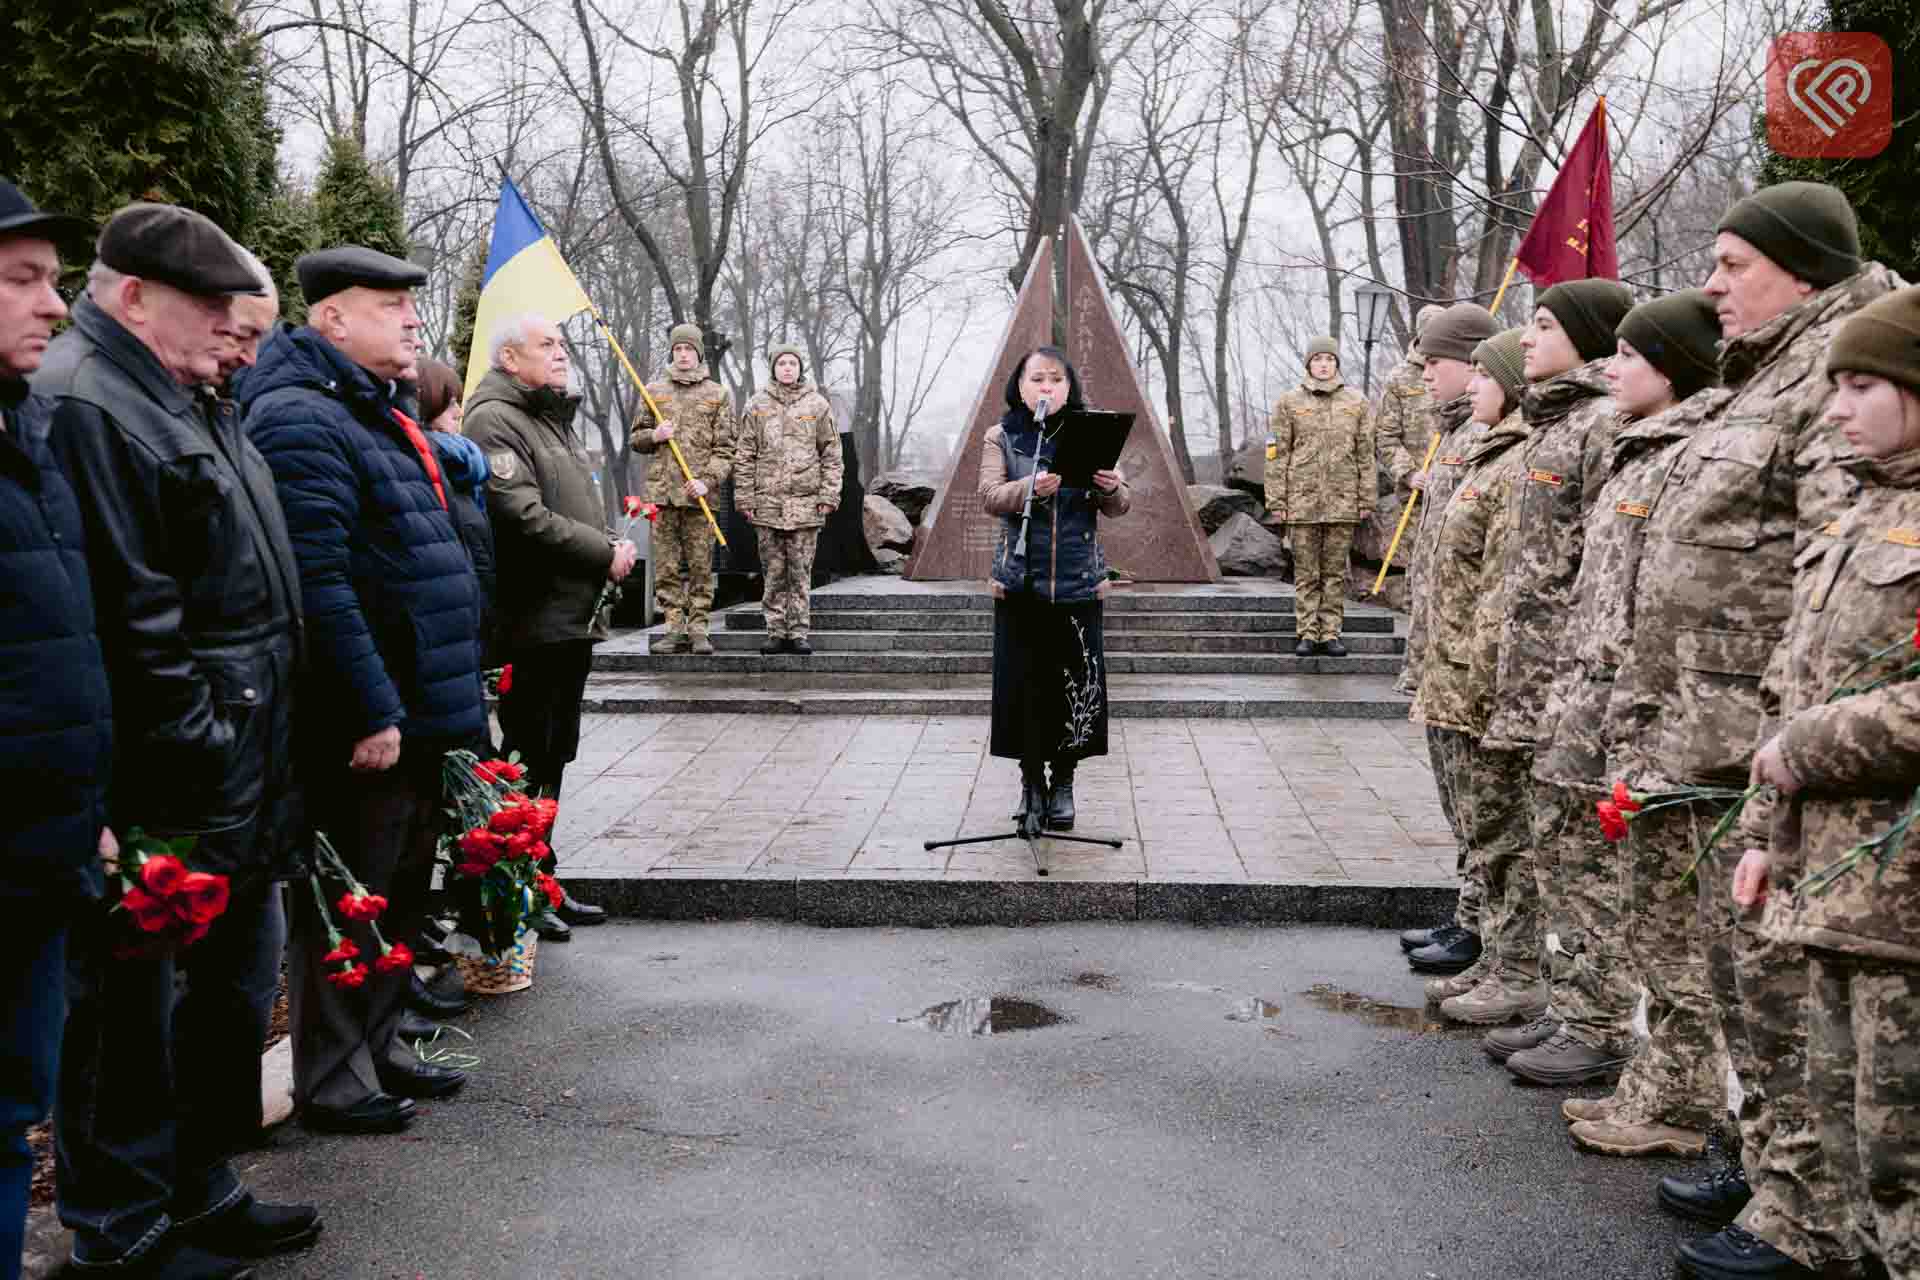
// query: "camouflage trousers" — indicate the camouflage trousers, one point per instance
point(1320, 578)
point(1500, 838)
point(786, 565)
point(683, 569)
point(1863, 1085)
point(1679, 1076)
point(1760, 986)
point(1582, 886)
point(1418, 583)
point(1450, 750)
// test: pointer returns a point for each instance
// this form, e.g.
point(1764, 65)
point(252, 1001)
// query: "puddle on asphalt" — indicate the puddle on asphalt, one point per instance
point(1253, 1009)
point(1375, 1012)
point(1097, 981)
point(984, 1016)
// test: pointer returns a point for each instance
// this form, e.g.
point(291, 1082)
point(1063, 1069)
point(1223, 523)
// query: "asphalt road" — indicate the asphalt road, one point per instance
point(745, 1100)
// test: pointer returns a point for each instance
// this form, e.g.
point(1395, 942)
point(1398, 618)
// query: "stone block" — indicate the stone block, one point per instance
point(1246, 549)
point(1213, 504)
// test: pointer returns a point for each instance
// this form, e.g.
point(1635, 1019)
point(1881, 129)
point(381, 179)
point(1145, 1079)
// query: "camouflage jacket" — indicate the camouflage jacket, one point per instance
point(1750, 489)
point(1572, 423)
point(1858, 759)
point(1459, 432)
point(1320, 455)
point(702, 417)
point(1465, 607)
point(787, 459)
point(1600, 628)
point(1400, 427)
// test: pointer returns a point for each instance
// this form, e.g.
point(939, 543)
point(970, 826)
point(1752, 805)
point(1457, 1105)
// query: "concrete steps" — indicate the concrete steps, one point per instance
point(887, 647)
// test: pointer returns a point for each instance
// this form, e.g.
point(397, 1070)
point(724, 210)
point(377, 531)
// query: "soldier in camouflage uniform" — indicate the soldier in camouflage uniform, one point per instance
point(1457, 684)
point(698, 414)
point(1320, 484)
point(1745, 496)
point(1401, 427)
point(787, 472)
point(1447, 344)
point(1637, 924)
point(1572, 422)
point(1848, 768)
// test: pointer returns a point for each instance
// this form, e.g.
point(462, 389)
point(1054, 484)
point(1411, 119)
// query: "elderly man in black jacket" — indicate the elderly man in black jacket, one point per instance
point(196, 594)
point(393, 617)
point(56, 723)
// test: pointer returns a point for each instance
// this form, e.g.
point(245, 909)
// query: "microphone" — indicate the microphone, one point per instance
point(1041, 410)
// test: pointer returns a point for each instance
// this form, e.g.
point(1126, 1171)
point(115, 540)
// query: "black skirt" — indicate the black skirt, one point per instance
point(1049, 679)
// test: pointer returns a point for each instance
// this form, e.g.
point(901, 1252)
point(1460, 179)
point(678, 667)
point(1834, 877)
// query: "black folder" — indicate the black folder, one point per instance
point(1089, 440)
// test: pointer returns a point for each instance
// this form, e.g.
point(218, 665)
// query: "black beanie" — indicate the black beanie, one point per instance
point(1680, 336)
point(1455, 332)
point(1881, 338)
point(1806, 228)
point(1589, 310)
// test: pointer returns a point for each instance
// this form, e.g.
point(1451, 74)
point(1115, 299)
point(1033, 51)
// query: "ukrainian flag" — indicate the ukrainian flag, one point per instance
point(525, 273)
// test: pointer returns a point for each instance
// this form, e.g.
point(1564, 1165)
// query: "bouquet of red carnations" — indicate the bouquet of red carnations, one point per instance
point(348, 971)
point(168, 902)
point(497, 881)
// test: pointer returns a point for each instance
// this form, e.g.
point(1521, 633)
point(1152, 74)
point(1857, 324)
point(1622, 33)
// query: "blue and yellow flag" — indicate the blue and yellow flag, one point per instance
point(525, 273)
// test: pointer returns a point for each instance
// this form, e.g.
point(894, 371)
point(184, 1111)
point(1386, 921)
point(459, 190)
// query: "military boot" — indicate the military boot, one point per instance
point(1565, 1061)
point(1625, 1135)
point(1458, 950)
point(1574, 1110)
point(1715, 1193)
point(1459, 984)
point(1507, 1041)
point(671, 642)
point(702, 644)
point(1499, 998)
point(1060, 797)
point(1736, 1254)
point(1414, 939)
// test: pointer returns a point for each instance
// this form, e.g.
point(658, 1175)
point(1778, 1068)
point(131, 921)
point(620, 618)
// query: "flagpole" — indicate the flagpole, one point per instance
point(673, 444)
point(1495, 308)
point(1433, 446)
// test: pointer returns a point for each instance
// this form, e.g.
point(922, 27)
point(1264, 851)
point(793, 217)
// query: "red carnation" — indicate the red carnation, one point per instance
point(510, 819)
point(1916, 628)
point(506, 678)
point(1612, 825)
point(520, 843)
point(194, 934)
point(347, 950)
point(1623, 799)
point(201, 897)
point(349, 978)
point(653, 513)
point(480, 845)
point(633, 506)
point(474, 869)
point(396, 959)
point(150, 914)
point(551, 887)
point(546, 809)
point(162, 874)
point(361, 906)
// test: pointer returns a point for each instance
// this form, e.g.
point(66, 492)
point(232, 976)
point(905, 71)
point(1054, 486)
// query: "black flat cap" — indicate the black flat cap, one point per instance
point(179, 247)
point(326, 272)
point(19, 217)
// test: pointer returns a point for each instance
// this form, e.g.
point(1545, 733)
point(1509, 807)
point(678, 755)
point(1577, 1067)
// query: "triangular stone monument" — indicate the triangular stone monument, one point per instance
point(1159, 539)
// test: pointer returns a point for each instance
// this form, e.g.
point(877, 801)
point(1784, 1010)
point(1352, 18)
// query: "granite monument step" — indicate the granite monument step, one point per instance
point(1338, 696)
point(613, 654)
point(914, 662)
point(748, 618)
point(1125, 599)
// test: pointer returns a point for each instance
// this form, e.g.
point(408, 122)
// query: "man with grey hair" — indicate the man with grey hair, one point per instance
point(199, 618)
point(553, 553)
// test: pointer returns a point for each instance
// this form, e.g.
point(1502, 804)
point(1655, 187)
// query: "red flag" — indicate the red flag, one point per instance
point(1572, 233)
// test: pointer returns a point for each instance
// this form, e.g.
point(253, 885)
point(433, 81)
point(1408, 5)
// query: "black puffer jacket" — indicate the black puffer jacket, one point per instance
point(197, 597)
point(56, 720)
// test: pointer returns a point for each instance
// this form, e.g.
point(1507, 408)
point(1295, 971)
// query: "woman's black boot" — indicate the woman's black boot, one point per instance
point(1033, 792)
point(1060, 797)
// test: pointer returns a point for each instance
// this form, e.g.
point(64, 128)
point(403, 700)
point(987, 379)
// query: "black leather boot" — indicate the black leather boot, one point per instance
point(1060, 797)
point(1033, 793)
point(1714, 1193)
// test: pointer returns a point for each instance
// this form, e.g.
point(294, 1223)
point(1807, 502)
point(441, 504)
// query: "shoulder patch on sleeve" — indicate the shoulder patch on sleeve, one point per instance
point(504, 464)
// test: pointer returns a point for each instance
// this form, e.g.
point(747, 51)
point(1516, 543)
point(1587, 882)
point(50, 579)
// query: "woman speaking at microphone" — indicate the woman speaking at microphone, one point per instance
point(1049, 577)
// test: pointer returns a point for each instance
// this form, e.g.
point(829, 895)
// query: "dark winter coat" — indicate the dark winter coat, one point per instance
point(1061, 561)
point(56, 716)
point(548, 519)
point(393, 604)
point(465, 468)
point(196, 595)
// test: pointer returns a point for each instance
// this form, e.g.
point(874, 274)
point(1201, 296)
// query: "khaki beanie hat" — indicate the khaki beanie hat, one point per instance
point(1882, 338)
point(1322, 346)
point(1455, 332)
point(1504, 358)
point(1807, 228)
point(1589, 310)
point(689, 334)
point(1680, 336)
point(787, 349)
point(1424, 317)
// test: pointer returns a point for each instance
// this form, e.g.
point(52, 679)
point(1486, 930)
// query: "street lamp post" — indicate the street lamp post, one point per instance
point(1371, 301)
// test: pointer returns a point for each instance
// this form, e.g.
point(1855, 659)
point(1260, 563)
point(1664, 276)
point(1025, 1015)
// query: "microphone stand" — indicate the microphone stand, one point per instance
point(1033, 824)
